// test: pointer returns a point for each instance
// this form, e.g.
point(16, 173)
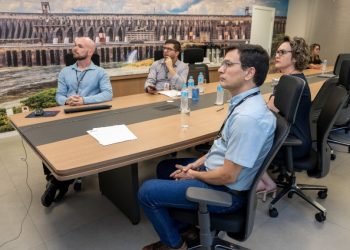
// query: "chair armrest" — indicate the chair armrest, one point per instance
point(292, 141)
point(209, 196)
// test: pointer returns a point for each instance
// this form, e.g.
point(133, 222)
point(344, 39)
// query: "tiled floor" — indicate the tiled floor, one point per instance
point(87, 220)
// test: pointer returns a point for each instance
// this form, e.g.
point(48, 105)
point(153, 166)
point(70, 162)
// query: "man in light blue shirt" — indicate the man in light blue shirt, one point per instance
point(78, 84)
point(168, 70)
point(241, 146)
point(83, 82)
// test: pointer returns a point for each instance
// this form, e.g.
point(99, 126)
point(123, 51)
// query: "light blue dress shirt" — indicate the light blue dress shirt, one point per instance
point(246, 138)
point(158, 75)
point(93, 84)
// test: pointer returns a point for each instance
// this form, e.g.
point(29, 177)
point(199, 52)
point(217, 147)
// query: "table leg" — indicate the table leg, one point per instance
point(120, 186)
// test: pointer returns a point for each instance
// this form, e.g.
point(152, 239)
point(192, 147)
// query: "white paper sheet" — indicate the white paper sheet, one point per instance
point(112, 134)
point(170, 93)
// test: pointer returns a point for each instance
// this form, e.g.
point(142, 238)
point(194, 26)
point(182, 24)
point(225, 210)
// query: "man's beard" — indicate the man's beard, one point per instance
point(80, 57)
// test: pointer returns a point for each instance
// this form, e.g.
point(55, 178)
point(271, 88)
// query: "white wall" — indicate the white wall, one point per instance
point(326, 22)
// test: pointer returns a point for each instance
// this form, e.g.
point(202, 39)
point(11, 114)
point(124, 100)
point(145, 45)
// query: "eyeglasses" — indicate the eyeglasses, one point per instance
point(227, 63)
point(282, 52)
point(168, 48)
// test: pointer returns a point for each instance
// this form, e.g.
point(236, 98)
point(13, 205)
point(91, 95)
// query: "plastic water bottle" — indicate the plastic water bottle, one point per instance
point(219, 95)
point(200, 82)
point(185, 111)
point(184, 99)
point(324, 66)
point(190, 86)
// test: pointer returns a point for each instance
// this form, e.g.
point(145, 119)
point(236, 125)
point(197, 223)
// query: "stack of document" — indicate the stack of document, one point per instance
point(112, 134)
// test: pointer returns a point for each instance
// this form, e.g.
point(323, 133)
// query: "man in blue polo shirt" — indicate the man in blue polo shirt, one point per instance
point(78, 84)
point(241, 146)
point(83, 82)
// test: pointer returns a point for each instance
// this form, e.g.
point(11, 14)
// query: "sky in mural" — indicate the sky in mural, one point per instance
point(179, 7)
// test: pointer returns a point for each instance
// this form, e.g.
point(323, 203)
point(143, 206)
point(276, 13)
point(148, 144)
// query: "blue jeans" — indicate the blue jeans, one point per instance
point(157, 195)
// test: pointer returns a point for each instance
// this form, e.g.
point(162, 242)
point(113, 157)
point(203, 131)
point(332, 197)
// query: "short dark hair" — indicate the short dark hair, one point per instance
point(177, 45)
point(253, 56)
point(300, 52)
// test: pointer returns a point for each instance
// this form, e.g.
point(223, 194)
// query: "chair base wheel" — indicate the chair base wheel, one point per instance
point(322, 194)
point(77, 185)
point(290, 195)
point(273, 212)
point(320, 217)
point(333, 157)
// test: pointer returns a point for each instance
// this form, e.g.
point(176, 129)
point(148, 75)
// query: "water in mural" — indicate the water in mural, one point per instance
point(33, 43)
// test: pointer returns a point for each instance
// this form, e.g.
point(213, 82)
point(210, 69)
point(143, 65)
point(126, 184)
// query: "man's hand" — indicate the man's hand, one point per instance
point(75, 100)
point(168, 63)
point(151, 89)
point(183, 172)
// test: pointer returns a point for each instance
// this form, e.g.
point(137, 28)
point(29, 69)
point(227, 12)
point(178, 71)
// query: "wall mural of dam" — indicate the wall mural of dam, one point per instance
point(33, 45)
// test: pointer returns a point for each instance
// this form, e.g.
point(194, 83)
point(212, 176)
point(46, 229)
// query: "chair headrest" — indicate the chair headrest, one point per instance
point(193, 55)
point(158, 54)
point(288, 93)
point(340, 58)
point(344, 75)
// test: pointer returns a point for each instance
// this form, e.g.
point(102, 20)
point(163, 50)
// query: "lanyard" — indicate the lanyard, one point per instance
point(79, 80)
point(239, 103)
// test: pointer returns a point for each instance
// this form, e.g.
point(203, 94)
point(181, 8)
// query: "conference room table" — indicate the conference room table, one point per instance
point(65, 147)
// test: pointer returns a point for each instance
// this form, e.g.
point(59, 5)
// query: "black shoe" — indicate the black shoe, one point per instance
point(61, 194)
point(63, 187)
point(49, 194)
point(191, 237)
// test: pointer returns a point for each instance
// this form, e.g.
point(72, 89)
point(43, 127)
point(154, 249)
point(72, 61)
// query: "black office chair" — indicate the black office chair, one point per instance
point(338, 63)
point(193, 56)
point(158, 54)
point(343, 120)
point(238, 225)
point(69, 59)
point(319, 102)
point(317, 163)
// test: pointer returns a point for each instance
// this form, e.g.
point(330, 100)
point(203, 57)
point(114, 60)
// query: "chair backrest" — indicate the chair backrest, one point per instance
point(193, 55)
point(344, 80)
point(335, 101)
point(281, 133)
point(158, 54)
point(340, 58)
point(285, 101)
point(70, 60)
point(321, 97)
point(194, 69)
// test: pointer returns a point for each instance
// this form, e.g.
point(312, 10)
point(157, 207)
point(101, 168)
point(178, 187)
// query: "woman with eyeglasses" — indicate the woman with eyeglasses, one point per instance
point(315, 60)
point(291, 58)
